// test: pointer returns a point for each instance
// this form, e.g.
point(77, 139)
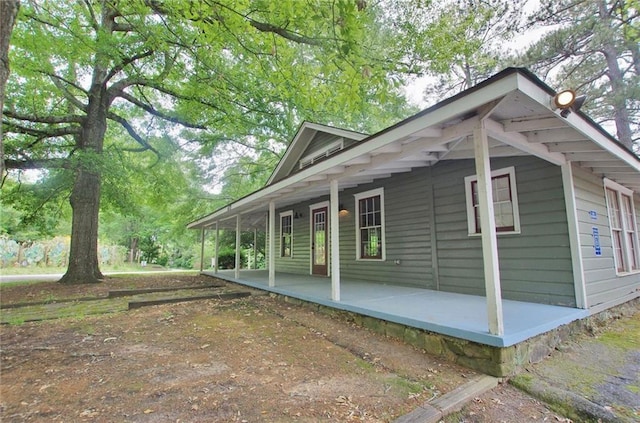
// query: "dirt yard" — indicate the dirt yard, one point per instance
point(247, 360)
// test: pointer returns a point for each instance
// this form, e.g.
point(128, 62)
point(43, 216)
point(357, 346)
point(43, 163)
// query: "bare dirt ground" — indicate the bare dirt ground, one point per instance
point(251, 359)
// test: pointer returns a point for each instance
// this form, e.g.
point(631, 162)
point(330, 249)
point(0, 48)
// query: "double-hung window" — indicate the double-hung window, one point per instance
point(370, 236)
point(505, 202)
point(622, 222)
point(286, 234)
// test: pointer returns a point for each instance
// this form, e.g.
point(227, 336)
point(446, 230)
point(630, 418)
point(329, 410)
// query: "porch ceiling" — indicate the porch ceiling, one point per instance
point(520, 122)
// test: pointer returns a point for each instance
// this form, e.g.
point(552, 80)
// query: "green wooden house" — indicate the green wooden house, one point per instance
point(494, 217)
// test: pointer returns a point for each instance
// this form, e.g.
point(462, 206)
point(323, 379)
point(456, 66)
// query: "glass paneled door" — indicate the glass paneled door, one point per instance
point(319, 244)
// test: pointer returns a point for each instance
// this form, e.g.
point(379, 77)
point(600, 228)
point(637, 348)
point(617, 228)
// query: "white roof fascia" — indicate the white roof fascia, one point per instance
point(578, 123)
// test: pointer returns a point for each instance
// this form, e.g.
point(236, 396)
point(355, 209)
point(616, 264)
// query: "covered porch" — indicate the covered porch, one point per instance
point(456, 315)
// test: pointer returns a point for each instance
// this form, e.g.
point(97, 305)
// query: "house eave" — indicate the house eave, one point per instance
point(435, 133)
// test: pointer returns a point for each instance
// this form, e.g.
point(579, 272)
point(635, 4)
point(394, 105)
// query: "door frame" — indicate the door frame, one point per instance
point(312, 207)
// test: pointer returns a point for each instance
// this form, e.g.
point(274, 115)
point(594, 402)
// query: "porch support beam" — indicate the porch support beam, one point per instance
point(202, 250)
point(574, 236)
point(489, 237)
point(272, 244)
point(237, 270)
point(521, 142)
point(335, 240)
point(217, 248)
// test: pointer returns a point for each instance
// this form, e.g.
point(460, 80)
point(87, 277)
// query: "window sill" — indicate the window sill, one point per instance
point(497, 233)
point(623, 274)
point(370, 259)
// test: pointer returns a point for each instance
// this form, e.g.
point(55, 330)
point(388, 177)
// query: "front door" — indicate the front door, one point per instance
point(319, 241)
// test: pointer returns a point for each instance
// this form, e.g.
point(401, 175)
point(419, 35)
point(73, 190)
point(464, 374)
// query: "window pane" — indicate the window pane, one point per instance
point(370, 219)
point(502, 203)
point(628, 212)
point(614, 212)
point(285, 240)
point(634, 251)
point(617, 247)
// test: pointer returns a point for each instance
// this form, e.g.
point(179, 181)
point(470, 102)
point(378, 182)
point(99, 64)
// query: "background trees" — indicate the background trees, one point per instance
point(594, 47)
point(142, 115)
point(97, 80)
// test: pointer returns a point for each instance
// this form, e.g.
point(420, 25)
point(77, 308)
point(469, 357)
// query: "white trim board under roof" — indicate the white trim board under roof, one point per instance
point(521, 121)
point(302, 139)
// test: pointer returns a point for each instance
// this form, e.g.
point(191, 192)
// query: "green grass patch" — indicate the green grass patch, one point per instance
point(624, 336)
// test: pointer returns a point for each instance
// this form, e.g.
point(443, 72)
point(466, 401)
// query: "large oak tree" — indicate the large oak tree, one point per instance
point(204, 72)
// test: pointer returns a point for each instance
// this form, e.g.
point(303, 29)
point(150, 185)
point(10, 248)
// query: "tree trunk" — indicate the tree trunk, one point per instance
point(618, 97)
point(134, 249)
point(8, 12)
point(84, 266)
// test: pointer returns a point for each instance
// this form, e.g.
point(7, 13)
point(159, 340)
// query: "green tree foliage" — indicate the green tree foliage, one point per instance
point(476, 33)
point(593, 47)
point(94, 79)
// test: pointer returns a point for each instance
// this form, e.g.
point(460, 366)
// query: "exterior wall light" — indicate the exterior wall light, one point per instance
point(567, 101)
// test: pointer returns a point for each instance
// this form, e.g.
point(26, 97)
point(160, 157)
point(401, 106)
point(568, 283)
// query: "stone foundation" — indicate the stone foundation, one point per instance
point(495, 361)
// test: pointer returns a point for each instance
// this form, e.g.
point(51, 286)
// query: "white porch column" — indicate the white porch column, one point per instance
point(335, 241)
point(237, 273)
point(489, 238)
point(202, 251)
point(255, 248)
point(574, 235)
point(215, 265)
point(272, 244)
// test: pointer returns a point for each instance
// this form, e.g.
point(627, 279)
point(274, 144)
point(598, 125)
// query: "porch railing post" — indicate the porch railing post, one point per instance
point(202, 250)
point(272, 244)
point(335, 241)
point(489, 237)
point(217, 247)
point(237, 272)
point(255, 248)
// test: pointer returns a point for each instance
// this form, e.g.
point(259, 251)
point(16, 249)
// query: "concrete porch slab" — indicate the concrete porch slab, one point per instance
point(457, 315)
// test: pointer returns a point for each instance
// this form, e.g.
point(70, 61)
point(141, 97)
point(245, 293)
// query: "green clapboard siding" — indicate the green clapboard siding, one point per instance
point(543, 239)
point(535, 264)
point(602, 284)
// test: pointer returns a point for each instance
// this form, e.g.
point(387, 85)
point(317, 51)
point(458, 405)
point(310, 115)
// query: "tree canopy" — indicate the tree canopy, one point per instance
point(96, 80)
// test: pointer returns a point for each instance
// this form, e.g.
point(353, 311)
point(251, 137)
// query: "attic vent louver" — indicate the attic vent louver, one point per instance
point(330, 149)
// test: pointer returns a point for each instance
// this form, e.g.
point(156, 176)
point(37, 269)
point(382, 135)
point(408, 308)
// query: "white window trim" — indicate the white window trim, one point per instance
point(471, 219)
point(358, 197)
point(283, 214)
point(327, 151)
point(608, 183)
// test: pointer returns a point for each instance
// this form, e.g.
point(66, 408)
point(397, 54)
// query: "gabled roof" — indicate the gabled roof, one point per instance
point(300, 143)
point(516, 110)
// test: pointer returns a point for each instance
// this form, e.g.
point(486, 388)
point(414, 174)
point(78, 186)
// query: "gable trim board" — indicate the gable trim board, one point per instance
point(503, 121)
